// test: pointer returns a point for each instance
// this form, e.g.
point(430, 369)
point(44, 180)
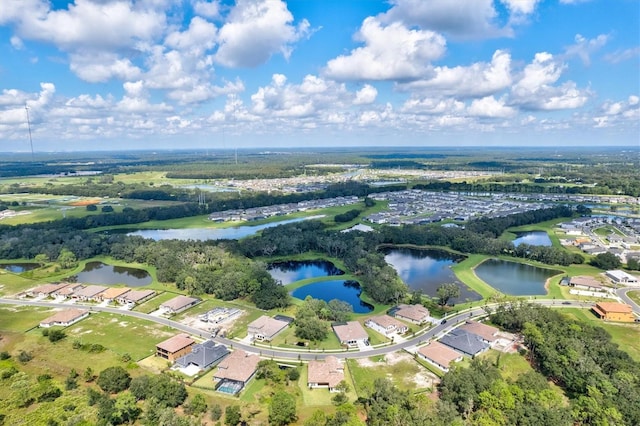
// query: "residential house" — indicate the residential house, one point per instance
point(135, 296)
point(621, 277)
point(416, 314)
point(266, 328)
point(67, 290)
point(112, 293)
point(65, 318)
point(175, 347)
point(614, 311)
point(90, 292)
point(384, 324)
point(465, 342)
point(178, 304)
point(44, 290)
point(325, 374)
point(585, 283)
point(440, 355)
point(203, 355)
point(350, 333)
point(238, 368)
point(486, 332)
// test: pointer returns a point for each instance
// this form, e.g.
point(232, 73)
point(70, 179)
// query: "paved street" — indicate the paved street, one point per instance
point(295, 354)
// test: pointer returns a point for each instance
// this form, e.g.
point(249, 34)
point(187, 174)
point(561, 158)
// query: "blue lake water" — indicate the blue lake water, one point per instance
point(426, 270)
point(233, 233)
point(516, 279)
point(18, 268)
point(101, 273)
point(292, 271)
point(347, 291)
point(533, 238)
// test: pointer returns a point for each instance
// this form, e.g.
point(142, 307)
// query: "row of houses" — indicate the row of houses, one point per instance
point(90, 293)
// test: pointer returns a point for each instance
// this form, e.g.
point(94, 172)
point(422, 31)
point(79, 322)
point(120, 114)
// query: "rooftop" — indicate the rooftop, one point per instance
point(267, 326)
point(179, 302)
point(351, 330)
point(65, 316)
point(176, 343)
point(413, 312)
point(328, 371)
point(614, 307)
point(485, 331)
point(238, 366)
point(439, 353)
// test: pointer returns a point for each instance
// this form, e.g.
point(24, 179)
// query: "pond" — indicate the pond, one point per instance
point(292, 271)
point(232, 233)
point(345, 290)
point(101, 273)
point(516, 279)
point(17, 268)
point(426, 270)
point(533, 238)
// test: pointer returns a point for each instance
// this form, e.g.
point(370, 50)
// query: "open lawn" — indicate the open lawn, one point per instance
point(19, 319)
point(625, 335)
point(120, 334)
point(398, 367)
point(11, 283)
point(153, 304)
point(635, 296)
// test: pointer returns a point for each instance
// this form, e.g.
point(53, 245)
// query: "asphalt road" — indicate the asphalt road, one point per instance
point(622, 294)
point(301, 354)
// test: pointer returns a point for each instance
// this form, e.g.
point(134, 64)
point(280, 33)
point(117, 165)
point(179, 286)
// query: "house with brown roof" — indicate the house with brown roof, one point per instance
point(113, 293)
point(178, 304)
point(614, 311)
point(135, 296)
point(175, 347)
point(65, 318)
point(386, 325)
point(486, 332)
point(325, 374)
point(265, 328)
point(350, 333)
point(44, 290)
point(67, 290)
point(416, 314)
point(440, 355)
point(90, 292)
point(585, 283)
point(235, 371)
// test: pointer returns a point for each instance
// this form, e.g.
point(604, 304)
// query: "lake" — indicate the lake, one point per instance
point(101, 273)
point(533, 238)
point(232, 233)
point(291, 271)
point(426, 270)
point(17, 268)
point(345, 290)
point(513, 278)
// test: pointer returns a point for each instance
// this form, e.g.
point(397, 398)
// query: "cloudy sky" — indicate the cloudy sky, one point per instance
point(153, 74)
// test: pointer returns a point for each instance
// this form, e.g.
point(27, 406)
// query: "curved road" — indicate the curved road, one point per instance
point(294, 354)
point(622, 294)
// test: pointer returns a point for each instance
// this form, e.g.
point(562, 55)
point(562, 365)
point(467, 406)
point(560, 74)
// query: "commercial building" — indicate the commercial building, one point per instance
point(613, 311)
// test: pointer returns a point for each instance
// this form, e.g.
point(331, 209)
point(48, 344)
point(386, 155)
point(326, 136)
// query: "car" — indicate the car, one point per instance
point(366, 342)
point(444, 321)
point(566, 303)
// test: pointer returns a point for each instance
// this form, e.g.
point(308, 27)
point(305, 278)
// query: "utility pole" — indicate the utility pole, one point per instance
point(26, 108)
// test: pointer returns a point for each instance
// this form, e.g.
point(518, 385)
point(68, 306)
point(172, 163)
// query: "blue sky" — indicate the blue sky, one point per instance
point(156, 74)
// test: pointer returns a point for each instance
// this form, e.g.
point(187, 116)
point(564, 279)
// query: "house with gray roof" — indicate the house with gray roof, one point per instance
point(465, 342)
point(203, 355)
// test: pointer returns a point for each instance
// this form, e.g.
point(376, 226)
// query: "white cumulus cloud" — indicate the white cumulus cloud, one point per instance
point(390, 52)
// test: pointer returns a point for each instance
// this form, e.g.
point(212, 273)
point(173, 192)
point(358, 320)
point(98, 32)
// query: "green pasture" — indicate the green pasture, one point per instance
point(635, 296)
point(120, 334)
point(625, 335)
point(11, 283)
point(154, 303)
point(19, 319)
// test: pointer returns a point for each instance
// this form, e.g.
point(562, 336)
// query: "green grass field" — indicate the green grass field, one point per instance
point(635, 296)
point(625, 335)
